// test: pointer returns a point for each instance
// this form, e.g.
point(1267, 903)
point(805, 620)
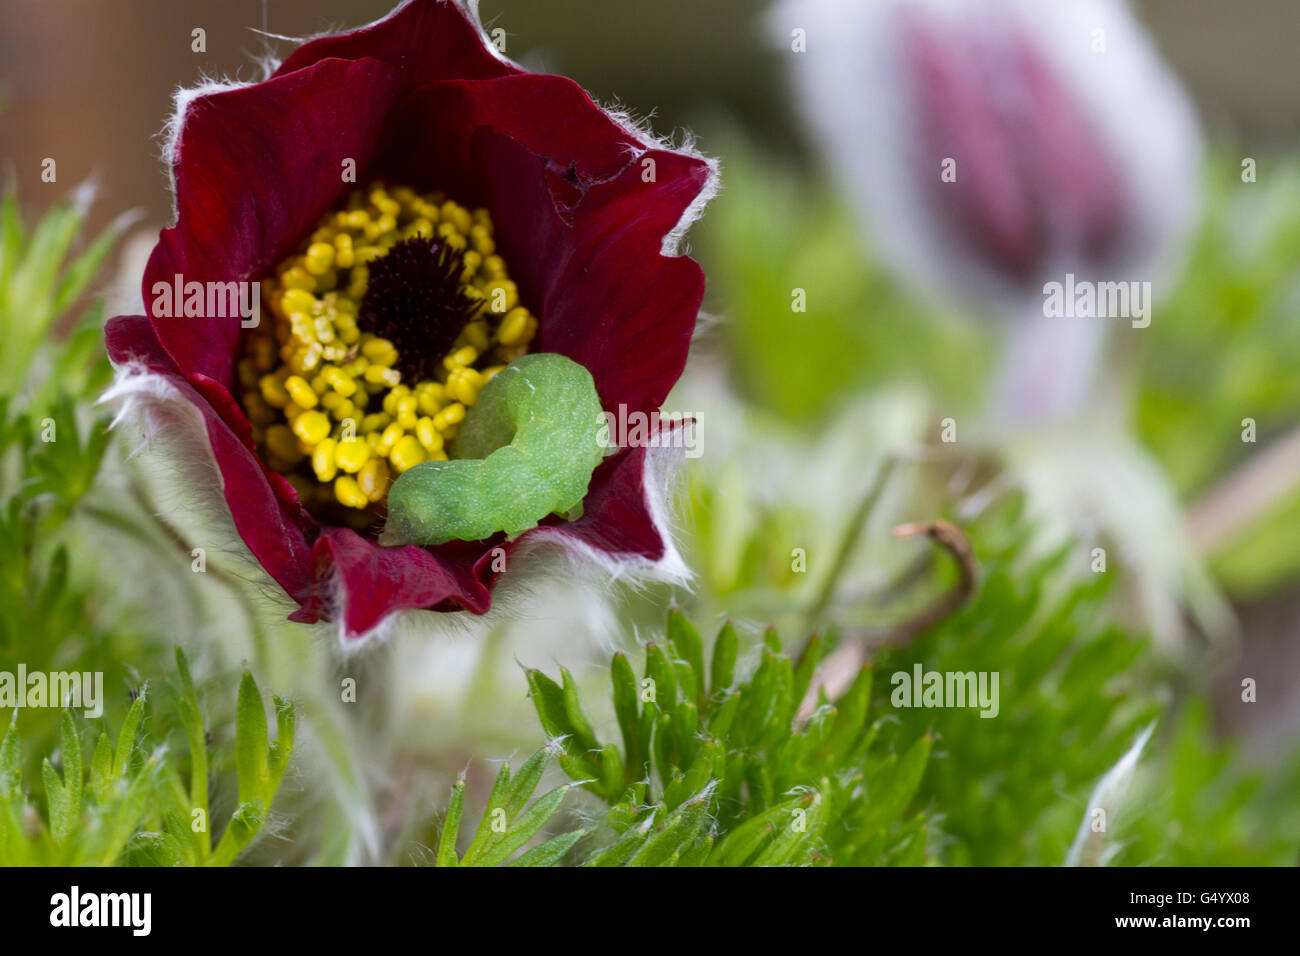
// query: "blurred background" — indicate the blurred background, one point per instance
point(1201, 524)
point(107, 71)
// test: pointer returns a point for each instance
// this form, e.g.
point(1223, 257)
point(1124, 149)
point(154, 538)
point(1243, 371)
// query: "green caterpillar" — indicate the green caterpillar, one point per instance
point(525, 450)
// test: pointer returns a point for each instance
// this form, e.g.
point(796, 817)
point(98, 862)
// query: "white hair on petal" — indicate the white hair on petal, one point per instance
point(182, 99)
point(172, 430)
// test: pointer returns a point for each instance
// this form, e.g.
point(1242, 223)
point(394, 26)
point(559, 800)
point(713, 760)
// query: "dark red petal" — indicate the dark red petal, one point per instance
point(551, 116)
point(255, 168)
point(261, 517)
point(1035, 173)
point(604, 294)
point(371, 582)
point(616, 517)
point(428, 40)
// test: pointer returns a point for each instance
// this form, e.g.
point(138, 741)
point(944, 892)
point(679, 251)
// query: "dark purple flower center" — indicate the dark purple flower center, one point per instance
point(415, 299)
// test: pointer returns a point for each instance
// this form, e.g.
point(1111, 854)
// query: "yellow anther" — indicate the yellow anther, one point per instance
point(513, 327)
point(319, 258)
point(344, 410)
point(374, 422)
point(380, 351)
point(452, 415)
point(429, 396)
point(298, 300)
point(428, 434)
point(298, 278)
point(464, 384)
point(349, 493)
point(392, 398)
point(494, 266)
point(345, 257)
point(357, 219)
point(406, 454)
point(312, 427)
point(481, 240)
point(324, 329)
point(273, 391)
point(382, 375)
point(502, 296)
point(303, 329)
point(372, 479)
point(471, 260)
point(406, 412)
point(322, 459)
point(352, 454)
point(309, 358)
point(302, 394)
point(389, 438)
point(339, 381)
point(457, 215)
point(476, 334)
point(466, 355)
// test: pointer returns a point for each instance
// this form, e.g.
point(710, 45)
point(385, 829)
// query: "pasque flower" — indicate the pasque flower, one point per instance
point(994, 146)
point(419, 213)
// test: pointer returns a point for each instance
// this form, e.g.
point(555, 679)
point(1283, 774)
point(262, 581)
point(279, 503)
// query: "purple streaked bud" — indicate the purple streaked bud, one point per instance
point(1033, 178)
point(996, 146)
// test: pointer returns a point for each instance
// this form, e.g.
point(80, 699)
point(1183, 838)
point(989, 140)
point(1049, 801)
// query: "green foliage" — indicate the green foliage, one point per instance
point(1073, 693)
point(40, 280)
point(767, 235)
point(128, 804)
point(718, 770)
point(52, 444)
point(508, 822)
point(1201, 803)
point(1224, 347)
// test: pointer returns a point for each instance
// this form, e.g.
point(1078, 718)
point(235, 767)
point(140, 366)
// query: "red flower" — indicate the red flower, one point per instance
point(586, 211)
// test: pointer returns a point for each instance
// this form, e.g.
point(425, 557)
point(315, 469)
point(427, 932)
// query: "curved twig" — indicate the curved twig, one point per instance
point(953, 540)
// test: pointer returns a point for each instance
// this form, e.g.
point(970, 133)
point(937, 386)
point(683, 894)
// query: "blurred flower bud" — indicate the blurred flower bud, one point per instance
point(995, 146)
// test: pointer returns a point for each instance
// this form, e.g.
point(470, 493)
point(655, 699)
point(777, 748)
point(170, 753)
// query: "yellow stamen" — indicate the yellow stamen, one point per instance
point(306, 380)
